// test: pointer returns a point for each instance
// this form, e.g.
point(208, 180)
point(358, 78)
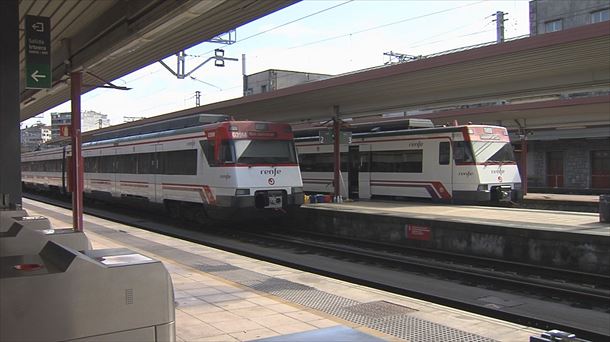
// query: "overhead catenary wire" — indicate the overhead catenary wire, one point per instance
point(280, 26)
point(385, 25)
point(431, 42)
point(252, 36)
point(353, 33)
point(335, 37)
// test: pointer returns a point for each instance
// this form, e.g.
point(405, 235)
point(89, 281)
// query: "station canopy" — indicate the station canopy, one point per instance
point(108, 39)
point(557, 80)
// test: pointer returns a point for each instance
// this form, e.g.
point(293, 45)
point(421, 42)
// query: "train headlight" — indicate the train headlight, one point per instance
point(482, 187)
point(242, 192)
point(297, 189)
point(517, 186)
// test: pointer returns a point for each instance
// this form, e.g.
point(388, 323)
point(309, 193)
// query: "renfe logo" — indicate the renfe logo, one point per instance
point(272, 172)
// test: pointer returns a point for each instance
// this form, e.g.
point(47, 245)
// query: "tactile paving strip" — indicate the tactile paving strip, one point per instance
point(389, 318)
point(379, 309)
point(217, 268)
point(417, 329)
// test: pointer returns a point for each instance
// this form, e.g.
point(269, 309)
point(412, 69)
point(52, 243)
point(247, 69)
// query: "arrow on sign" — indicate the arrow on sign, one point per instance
point(39, 27)
point(35, 75)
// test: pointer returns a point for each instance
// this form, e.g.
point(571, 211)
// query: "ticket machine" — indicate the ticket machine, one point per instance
point(103, 295)
point(7, 215)
point(28, 235)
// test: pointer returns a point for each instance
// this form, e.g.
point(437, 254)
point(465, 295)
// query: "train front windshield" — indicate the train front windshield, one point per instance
point(493, 152)
point(265, 152)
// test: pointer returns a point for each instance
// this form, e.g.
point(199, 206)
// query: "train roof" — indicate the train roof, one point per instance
point(161, 126)
point(392, 130)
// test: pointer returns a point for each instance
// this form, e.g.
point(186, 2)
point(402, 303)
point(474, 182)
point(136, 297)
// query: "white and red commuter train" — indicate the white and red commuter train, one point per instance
point(456, 164)
point(222, 169)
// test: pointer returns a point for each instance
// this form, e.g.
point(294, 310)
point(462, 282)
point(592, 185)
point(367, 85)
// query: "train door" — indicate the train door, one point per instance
point(353, 169)
point(364, 168)
point(108, 167)
point(444, 171)
point(157, 173)
point(554, 169)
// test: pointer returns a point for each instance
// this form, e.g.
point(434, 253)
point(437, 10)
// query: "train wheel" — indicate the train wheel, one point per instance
point(201, 217)
point(173, 208)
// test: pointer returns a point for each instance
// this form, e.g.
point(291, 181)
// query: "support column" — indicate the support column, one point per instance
point(77, 159)
point(10, 143)
point(337, 151)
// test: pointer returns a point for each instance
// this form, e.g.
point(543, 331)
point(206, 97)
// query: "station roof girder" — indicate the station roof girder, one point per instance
point(571, 60)
point(112, 38)
point(567, 61)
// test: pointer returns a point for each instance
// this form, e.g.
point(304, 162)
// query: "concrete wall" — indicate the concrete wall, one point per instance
point(285, 79)
point(532, 246)
point(572, 13)
point(278, 79)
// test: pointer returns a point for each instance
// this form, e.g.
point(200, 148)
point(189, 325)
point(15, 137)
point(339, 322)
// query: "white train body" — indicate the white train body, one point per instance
point(473, 163)
point(225, 165)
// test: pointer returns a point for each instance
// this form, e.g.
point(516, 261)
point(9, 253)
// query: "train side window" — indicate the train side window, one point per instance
point(320, 162)
point(462, 152)
point(306, 162)
point(226, 154)
point(144, 163)
point(126, 164)
point(180, 162)
point(409, 161)
point(107, 164)
point(208, 150)
point(443, 153)
point(87, 164)
point(91, 165)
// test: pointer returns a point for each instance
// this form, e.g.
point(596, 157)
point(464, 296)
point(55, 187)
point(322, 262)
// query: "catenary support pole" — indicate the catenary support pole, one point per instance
point(10, 172)
point(77, 159)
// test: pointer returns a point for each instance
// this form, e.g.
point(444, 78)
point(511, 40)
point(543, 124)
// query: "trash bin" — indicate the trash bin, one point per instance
point(604, 208)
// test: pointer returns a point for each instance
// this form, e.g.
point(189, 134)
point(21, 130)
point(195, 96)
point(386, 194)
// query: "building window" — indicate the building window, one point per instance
point(264, 88)
point(553, 26)
point(599, 16)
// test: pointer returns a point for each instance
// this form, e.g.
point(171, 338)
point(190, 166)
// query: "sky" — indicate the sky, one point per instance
point(317, 36)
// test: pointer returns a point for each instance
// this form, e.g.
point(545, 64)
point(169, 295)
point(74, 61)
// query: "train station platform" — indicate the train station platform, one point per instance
point(222, 296)
point(567, 202)
point(562, 239)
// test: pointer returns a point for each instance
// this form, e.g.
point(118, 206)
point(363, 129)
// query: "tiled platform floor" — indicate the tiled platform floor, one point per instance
point(212, 307)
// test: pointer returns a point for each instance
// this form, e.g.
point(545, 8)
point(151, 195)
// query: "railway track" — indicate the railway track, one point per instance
point(417, 273)
point(554, 283)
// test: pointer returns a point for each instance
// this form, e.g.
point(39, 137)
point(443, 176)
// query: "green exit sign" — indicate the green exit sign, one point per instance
point(37, 52)
point(327, 137)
